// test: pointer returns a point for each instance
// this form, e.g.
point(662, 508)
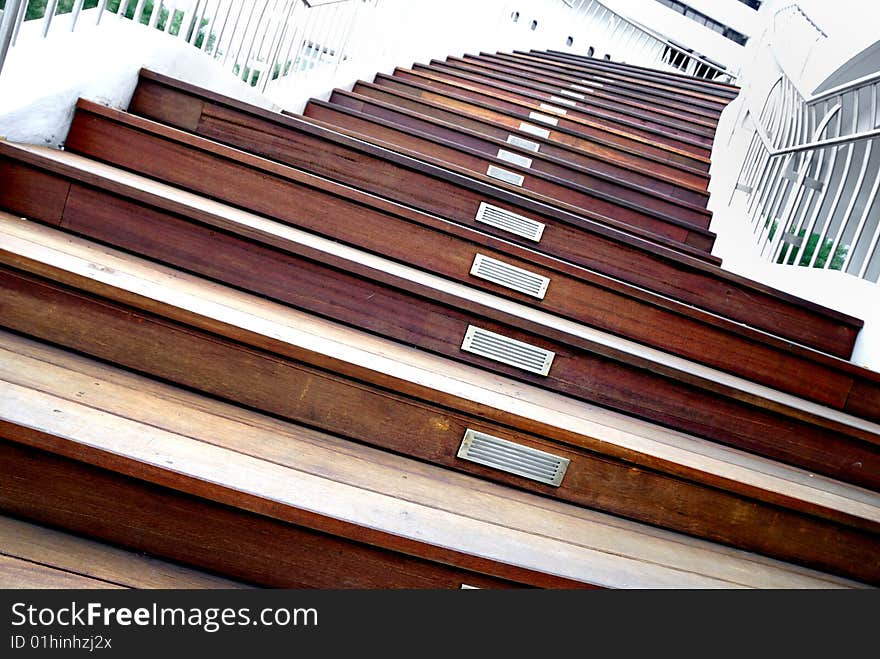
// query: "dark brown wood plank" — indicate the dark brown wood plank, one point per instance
point(842, 452)
point(379, 417)
point(232, 541)
point(422, 248)
point(564, 129)
point(721, 91)
point(500, 126)
point(548, 80)
point(617, 88)
point(589, 116)
point(649, 87)
point(610, 198)
point(544, 92)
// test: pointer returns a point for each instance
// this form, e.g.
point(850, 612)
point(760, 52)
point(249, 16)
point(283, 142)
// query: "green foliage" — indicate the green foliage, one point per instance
point(789, 253)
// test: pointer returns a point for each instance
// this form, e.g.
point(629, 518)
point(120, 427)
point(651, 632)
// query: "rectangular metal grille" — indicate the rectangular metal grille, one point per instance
point(505, 175)
point(515, 158)
point(534, 130)
point(565, 101)
point(543, 118)
point(507, 351)
point(552, 108)
point(509, 276)
point(566, 92)
point(513, 458)
point(509, 221)
point(515, 140)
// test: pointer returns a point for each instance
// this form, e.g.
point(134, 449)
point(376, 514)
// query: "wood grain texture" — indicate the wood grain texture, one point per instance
point(574, 117)
point(704, 87)
point(566, 146)
point(55, 553)
point(194, 531)
point(81, 390)
point(566, 131)
point(18, 573)
point(543, 89)
point(128, 217)
point(353, 354)
point(708, 103)
point(720, 292)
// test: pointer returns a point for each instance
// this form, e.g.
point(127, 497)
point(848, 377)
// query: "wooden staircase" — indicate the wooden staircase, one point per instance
point(460, 325)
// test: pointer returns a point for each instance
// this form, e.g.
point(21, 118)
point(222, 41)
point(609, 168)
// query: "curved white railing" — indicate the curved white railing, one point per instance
point(266, 42)
point(811, 174)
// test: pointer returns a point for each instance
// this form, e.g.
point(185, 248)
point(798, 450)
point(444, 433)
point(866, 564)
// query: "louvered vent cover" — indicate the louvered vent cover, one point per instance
point(534, 130)
point(543, 118)
point(509, 351)
point(508, 221)
point(513, 458)
point(505, 175)
point(515, 158)
point(510, 276)
point(515, 140)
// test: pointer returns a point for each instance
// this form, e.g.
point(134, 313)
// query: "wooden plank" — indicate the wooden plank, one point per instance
point(128, 212)
point(96, 132)
point(392, 367)
point(574, 118)
point(62, 553)
point(607, 198)
point(723, 92)
point(561, 128)
point(228, 540)
point(399, 127)
point(658, 118)
point(307, 461)
point(568, 147)
point(18, 573)
point(619, 90)
point(485, 67)
point(844, 453)
point(26, 310)
point(833, 546)
point(717, 87)
point(649, 88)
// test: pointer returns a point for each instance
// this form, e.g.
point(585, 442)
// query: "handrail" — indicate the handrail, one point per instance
point(812, 199)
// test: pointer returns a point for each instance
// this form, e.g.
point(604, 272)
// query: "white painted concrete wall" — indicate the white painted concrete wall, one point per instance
point(735, 243)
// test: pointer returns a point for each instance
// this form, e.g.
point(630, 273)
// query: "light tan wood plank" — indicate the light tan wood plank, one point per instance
point(44, 250)
point(282, 464)
point(96, 560)
point(18, 573)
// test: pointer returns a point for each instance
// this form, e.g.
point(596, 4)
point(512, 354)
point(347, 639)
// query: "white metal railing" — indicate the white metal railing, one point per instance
point(626, 40)
point(811, 173)
point(264, 42)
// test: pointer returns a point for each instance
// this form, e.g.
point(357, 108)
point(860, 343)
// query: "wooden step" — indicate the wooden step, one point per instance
point(561, 85)
point(562, 128)
point(598, 106)
point(378, 171)
point(664, 219)
point(35, 556)
point(116, 208)
point(87, 312)
point(476, 117)
point(572, 116)
point(632, 71)
point(647, 87)
point(276, 504)
point(609, 178)
point(578, 82)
